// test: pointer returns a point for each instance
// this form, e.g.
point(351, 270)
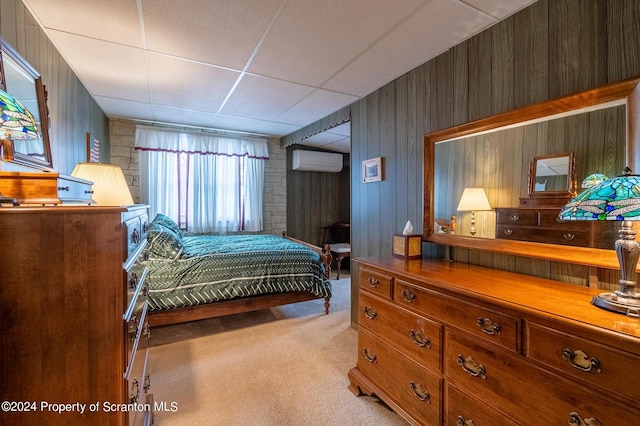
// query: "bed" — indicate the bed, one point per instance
point(207, 276)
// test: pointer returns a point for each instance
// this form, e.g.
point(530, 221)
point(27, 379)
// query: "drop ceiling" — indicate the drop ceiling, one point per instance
point(267, 67)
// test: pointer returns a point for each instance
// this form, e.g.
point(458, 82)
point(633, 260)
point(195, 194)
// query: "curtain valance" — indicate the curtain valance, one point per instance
point(151, 139)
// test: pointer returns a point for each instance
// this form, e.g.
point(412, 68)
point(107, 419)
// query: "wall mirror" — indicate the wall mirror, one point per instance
point(600, 126)
point(552, 175)
point(23, 82)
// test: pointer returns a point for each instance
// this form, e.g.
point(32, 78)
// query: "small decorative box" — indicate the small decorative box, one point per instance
point(407, 246)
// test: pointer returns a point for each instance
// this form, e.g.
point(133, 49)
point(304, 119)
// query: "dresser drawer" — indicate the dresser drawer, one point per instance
point(590, 362)
point(138, 385)
point(411, 386)
point(136, 224)
point(137, 331)
point(412, 334)
point(493, 326)
point(516, 217)
point(532, 395)
point(75, 190)
point(376, 283)
point(136, 281)
point(464, 410)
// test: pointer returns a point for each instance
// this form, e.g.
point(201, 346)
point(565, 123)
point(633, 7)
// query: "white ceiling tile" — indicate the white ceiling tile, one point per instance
point(113, 20)
point(449, 22)
point(274, 96)
point(218, 32)
point(118, 71)
point(317, 105)
point(314, 40)
point(187, 84)
point(125, 109)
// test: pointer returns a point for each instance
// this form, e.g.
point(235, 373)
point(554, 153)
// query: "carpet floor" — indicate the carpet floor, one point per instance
point(279, 366)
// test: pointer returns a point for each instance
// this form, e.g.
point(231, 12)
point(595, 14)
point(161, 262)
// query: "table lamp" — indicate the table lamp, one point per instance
point(473, 200)
point(16, 123)
point(109, 185)
point(617, 198)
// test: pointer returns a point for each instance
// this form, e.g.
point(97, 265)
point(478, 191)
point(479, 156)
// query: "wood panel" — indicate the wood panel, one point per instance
point(73, 112)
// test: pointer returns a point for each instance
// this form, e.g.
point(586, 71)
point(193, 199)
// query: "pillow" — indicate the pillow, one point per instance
point(167, 222)
point(163, 242)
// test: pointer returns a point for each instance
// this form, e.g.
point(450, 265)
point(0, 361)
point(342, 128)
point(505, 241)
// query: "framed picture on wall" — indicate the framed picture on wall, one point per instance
point(372, 170)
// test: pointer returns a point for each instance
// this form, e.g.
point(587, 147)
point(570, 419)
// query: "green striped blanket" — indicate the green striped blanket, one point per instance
point(214, 268)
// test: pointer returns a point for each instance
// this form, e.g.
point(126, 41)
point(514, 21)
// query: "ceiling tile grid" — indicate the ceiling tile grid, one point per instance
point(259, 66)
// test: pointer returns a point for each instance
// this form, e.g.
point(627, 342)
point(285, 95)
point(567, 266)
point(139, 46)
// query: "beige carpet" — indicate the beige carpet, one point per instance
point(281, 366)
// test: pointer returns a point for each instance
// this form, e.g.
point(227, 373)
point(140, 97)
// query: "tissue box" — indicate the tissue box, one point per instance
point(407, 246)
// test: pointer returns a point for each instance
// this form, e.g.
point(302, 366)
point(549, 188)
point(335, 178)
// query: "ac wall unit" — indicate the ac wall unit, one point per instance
point(316, 161)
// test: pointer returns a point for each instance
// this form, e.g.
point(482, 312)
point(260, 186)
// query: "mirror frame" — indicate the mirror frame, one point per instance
point(43, 110)
point(625, 92)
point(568, 191)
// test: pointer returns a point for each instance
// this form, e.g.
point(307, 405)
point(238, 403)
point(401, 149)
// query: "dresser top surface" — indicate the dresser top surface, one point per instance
point(537, 296)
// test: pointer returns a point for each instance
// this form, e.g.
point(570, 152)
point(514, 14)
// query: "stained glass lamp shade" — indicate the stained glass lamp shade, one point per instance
point(593, 180)
point(16, 122)
point(617, 198)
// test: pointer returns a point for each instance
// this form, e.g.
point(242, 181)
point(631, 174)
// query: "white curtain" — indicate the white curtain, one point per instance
point(205, 183)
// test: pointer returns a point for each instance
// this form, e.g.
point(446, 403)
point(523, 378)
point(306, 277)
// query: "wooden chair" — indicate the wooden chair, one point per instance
point(338, 236)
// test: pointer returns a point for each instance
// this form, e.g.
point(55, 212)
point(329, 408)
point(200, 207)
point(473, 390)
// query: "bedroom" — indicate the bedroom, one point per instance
point(390, 122)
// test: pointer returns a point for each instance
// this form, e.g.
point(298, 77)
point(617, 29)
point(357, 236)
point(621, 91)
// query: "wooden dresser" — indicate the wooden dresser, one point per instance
point(73, 316)
point(540, 224)
point(455, 344)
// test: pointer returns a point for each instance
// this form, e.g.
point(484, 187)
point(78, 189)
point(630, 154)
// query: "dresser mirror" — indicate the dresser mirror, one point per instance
point(554, 174)
point(23, 82)
point(600, 127)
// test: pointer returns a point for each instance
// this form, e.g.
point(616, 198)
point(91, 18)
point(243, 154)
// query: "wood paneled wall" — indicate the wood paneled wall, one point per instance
point(73, 112)
point(552, 48)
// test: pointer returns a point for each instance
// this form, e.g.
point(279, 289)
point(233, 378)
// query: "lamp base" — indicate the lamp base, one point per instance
point(613, 302)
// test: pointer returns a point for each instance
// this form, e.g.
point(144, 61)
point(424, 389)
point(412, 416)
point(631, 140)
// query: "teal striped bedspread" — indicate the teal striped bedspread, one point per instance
point(214, 268)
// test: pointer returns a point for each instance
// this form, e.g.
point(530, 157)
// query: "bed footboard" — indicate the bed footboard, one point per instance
point(324, 252)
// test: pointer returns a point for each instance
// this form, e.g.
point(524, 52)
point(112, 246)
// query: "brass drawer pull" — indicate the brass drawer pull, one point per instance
point(63, 188)
point(420, 393)
point(369, 312)
point(470, 366)
point(581, 360)
point(408, 296)
point(369, 355)
point(576, 420)
point(488, 326)
point(146, 331)
point(88, 192)
point(145, 227)
point(374, 282)
point(568, 236)
point(460, 421)
point(508, 232)
point(135, 236)
point(514, 217)
point(419, 338)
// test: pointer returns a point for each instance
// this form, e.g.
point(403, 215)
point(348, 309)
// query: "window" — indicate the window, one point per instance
point(205, 183)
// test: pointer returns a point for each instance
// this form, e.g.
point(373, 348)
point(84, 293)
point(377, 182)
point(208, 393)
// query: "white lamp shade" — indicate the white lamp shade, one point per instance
point(109, 186)
point(473, 199)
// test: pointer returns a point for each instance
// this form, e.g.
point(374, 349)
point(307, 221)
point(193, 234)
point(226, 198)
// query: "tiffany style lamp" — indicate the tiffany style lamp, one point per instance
point(16, 123)
point(617, 198)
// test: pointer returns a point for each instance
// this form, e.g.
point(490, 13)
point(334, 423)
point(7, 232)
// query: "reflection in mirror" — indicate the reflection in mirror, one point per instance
point(467, 155)
point(21, 81)
point(499, 161)
point(552, 174)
